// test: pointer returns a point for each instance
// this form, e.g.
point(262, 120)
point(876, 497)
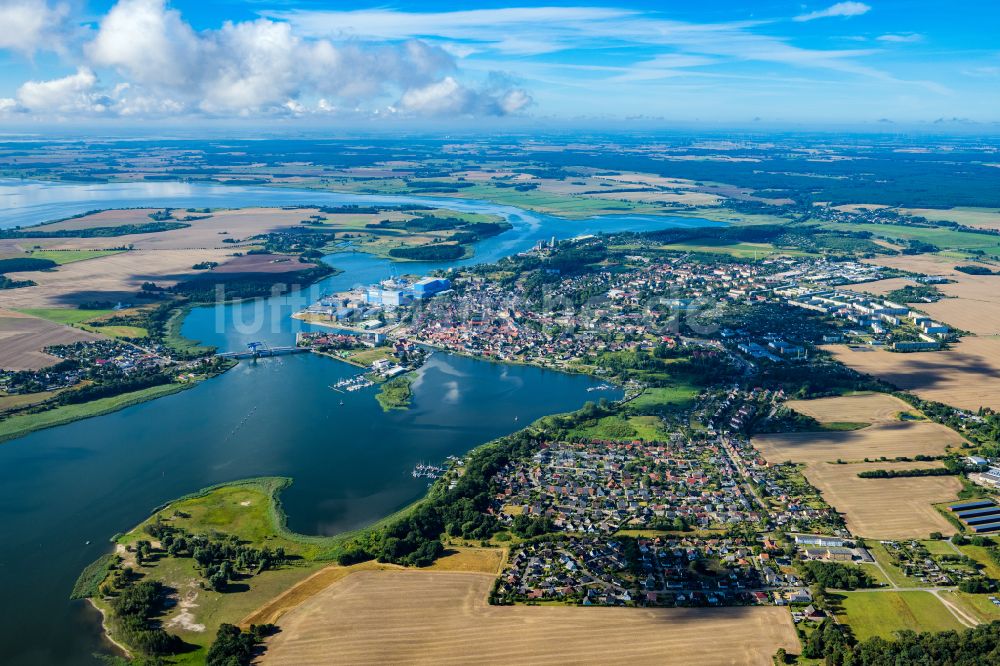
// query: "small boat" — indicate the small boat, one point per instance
point(516, 418)
point(341, 403)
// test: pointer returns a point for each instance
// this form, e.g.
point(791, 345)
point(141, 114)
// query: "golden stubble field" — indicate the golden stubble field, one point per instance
point(116, 277)
point(973, 302)
point(860, 408)
point(899, 508)
point(427, 617)
point(966, 376)
point(903, 438)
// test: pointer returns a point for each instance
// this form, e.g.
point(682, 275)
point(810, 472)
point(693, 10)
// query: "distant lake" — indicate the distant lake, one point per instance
point(83, 482)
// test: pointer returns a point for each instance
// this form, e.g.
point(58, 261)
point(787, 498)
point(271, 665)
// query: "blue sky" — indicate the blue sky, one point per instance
point(721, 61)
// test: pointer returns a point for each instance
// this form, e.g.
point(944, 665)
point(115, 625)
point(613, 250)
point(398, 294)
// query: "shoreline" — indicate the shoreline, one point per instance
point(174, 326)
point(106, 633)
point(275, 485)
point(110, 407)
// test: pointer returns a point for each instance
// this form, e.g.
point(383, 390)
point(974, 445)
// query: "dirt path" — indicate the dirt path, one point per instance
point(959, 614)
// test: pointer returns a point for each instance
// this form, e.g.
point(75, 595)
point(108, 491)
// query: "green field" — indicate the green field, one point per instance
point(941, 237)
point(395, 393)
point(982, 555)
point(938, 547)
point(119, 331)
point(85, 319)
point(730, 216)
point(883, 613)
point(732, 248)
point(618, 428)
point(250, 510)
point(977, 605)
point(71, 256)
point(666, 398)
point(365, 357)
point(68, 316)
point(22, 424)
point(17, 401)
point(876, 573)
point(964, 215)
point(462, 215)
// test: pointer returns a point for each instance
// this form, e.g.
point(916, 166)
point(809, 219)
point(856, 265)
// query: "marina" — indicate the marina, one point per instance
point(355, 383)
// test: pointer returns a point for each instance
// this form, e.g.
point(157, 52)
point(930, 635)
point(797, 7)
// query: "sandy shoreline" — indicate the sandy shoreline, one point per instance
point(106, 633)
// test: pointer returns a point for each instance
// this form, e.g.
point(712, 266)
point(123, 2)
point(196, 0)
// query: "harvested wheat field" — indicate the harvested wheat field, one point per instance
point(931, 264)
point(392, 617)
point(880, 287)
point(966, 376)
point(205, 231)
point(899, 508)
point(860, 408)
point(480, 560)
point(901, 438)
point(974, 304)
point(113, 277)
point(22, 338)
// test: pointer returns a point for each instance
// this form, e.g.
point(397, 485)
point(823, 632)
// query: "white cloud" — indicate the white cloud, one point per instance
point(544, 30)
point(76, 93)
point(496, 35)
point(909, 37)
point(147, 42)
point(262, 65)
point(28, 26)
point(840, 9)
point(503, 28)
point(448, 97)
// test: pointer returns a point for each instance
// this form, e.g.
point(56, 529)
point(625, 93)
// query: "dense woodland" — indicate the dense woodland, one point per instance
point(835, 575)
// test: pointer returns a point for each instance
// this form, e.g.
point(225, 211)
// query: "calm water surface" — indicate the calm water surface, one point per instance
point(65, 491)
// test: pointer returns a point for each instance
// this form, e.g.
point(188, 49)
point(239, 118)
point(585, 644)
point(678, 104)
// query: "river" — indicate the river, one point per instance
point(65, 491)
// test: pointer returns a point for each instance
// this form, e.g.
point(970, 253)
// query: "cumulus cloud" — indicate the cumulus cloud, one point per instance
point(146, 42)
point(264, 66)
point(840, 9)
point(448, 97)
point(76, 93)
point(28, 26)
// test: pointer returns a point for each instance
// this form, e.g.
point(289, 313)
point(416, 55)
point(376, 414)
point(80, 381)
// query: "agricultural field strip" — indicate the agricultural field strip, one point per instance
point(425, 617)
